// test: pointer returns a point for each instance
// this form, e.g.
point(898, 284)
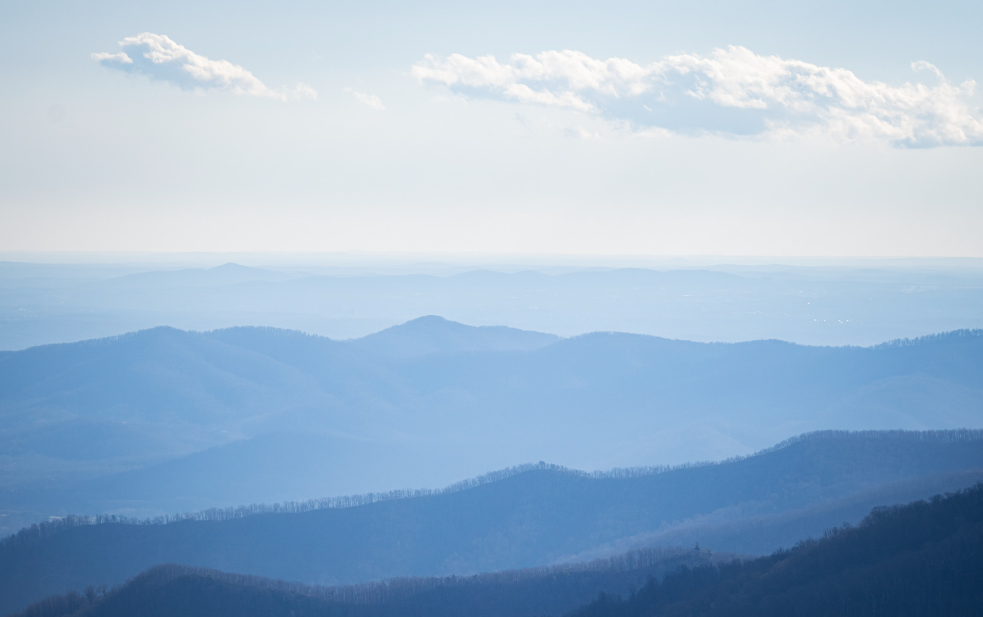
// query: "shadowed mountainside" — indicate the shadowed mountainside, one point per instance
point(534, 592)
point(923, 559)
point(521, 518)
point(920, 560)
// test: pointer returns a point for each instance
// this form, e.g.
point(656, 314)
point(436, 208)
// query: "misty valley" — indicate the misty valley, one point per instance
point(263, 471)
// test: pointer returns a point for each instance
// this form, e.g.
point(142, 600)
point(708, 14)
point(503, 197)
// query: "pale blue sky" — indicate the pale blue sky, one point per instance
point(723, 128)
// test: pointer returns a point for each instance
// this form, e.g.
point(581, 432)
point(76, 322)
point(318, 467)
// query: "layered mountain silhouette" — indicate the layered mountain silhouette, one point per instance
point(88, 426)
point(522, 517)
point(105, 442)
point(226, 274)
point(814, 304)
point(172, 589)
point(920, 560)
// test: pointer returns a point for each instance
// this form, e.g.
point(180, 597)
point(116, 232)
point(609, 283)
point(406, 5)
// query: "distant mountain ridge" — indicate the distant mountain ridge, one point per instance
point(226, 274)
point(433, 334)
point(85, 426)
point(810, 305)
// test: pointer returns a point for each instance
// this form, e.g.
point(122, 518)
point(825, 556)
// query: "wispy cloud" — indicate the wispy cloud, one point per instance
point(158, 57)
point(732, 90)
point(369, 100)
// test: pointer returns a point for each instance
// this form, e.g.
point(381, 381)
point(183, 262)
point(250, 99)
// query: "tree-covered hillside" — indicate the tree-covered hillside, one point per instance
point(521, 518)
point(534, 592)
point(920, 560)
point(924, 559)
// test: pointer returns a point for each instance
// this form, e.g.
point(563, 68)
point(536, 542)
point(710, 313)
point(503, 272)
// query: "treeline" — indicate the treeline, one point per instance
point(42, 530)
point(530, 518)
point(172, 590)
point(39, 531)
point(932, 338)
point(924, 559)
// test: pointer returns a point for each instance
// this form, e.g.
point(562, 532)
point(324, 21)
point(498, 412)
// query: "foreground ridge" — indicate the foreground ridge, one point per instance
point(922, 559)
point(527, 592)
point(533, 515)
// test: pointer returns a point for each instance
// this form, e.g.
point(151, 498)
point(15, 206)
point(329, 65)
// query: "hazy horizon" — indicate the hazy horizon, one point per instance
point(811, 302)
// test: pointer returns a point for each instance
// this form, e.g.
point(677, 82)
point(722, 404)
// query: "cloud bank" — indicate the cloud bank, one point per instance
point(733, 91)
point(158, 57)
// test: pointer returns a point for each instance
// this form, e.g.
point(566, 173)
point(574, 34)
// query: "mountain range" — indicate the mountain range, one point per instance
point(258, 415)
point(922, 559)
point(845, 303)
point(518, 518)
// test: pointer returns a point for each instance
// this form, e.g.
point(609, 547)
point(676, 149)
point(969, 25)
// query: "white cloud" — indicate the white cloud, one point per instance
point(369, 100)
point(732, 90)
point(121, 57)
point(163, 59)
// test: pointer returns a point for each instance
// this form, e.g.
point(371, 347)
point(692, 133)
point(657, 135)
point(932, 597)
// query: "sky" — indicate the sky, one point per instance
point(565, 128)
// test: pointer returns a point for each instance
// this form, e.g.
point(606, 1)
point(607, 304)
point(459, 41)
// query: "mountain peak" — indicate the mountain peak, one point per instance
point(435, 334)
point(232, 267)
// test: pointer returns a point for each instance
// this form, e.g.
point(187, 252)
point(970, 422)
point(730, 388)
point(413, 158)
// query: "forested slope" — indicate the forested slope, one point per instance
point(527, 517)
point(535, 592)
point(924, 559)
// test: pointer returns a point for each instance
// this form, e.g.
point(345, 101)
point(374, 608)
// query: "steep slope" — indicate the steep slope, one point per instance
point(923, 559)
point(523, 518)
point(765, 533)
